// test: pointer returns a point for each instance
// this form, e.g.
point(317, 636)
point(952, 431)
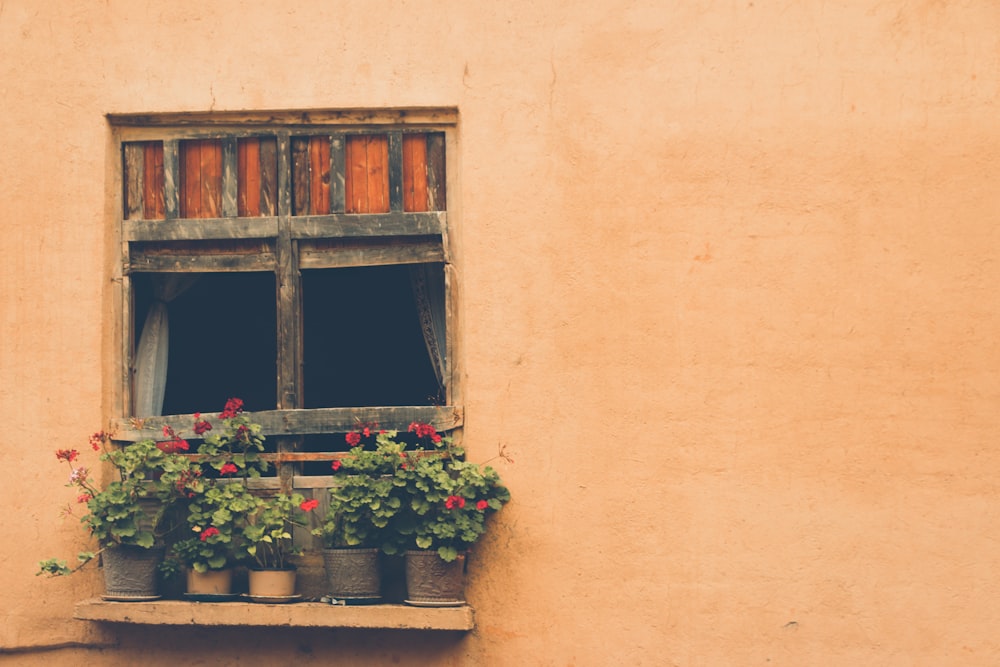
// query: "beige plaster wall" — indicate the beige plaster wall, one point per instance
point(729, 299)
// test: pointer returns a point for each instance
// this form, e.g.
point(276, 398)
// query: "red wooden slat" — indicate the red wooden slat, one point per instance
point(211, 179)
point(415, 172)
point(356, 175)
point(319, 179)
point(378, 174)
point(248, 177)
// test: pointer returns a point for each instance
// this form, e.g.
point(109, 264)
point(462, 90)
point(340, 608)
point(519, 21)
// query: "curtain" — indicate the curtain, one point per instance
point(429, 293)
point(154, 343)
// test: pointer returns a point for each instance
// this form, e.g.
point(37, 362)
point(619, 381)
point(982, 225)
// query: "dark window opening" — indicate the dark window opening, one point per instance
point(221, 342)
point(362, 340)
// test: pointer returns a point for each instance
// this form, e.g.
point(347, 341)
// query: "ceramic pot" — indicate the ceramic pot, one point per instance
point(272, 583)
point(130, 572)
point(212, 582)
point(432, 582)
point(353, 574)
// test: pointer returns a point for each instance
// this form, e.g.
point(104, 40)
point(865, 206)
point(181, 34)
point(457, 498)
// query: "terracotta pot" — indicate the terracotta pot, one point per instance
point(432, 582)
point(353, 574)
point(213, 582)
point(272, 583)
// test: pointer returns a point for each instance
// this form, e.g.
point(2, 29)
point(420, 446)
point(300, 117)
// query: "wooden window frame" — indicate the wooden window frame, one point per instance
point(288, 243)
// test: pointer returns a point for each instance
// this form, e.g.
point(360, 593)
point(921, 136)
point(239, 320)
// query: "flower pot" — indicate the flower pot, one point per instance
point(130, 572)
point(272, 584)
point(432, 582)
point(353, 574)
point(212, 582)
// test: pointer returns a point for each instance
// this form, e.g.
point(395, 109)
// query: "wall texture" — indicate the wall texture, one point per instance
point(729, 296)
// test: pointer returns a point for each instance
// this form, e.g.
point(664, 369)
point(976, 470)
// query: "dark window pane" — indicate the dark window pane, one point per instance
point(222, 342)
point(362, 339)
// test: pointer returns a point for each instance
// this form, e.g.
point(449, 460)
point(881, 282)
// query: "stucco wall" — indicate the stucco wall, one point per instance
point(728, 297)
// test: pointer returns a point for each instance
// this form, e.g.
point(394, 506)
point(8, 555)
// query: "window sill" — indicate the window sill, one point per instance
point(299, 615)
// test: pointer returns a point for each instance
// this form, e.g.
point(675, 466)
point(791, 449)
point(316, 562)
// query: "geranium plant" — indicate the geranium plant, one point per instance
point(362, 498)
point(217, 506)
point(148, 478)
point(215, 518)
point(445, 500)
point(268, 530)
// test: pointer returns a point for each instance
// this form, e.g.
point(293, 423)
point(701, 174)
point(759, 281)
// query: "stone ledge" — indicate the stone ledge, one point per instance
point(295, 615)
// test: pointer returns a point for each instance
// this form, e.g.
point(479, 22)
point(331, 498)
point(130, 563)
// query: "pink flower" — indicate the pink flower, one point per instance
point(228, 469)
point(336, 464)
point(353, 438)
point(309, 505)
point(84, 498)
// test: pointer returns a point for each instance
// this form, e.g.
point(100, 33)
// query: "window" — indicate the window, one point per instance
point(299, 261)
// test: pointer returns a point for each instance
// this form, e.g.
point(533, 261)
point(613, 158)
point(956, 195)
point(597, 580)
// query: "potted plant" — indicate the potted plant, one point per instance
point(218, 504)
point(215, 516)
point(446, 502)
point(128, 516)
point(362, 503)
point(267, 541)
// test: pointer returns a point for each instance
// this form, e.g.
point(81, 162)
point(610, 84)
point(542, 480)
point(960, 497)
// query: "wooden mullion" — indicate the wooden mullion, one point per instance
point(133, 162)
point(396, 171)
point(300, 176)
point(171, 179)
point(229, 180)
point(337, 181)
point(268, 176)
point(436, 191)
point(288, 283)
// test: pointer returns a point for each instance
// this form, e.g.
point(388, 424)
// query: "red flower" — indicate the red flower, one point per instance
point(200, 425)
point(481, 505)
point(336, 464)
point(84, 498)
point(173, 446)
point(209, 532)
point(453, 502)
point(68, 455)
point(97, 439)
point(309, 505)
point(425, 431)
point(228, 469)
point(353, 438)
point(234, 406)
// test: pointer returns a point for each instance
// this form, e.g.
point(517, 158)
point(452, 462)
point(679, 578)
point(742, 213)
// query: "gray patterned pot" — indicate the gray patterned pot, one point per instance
point(432, 582)
point(353, 574)
point(130, 572)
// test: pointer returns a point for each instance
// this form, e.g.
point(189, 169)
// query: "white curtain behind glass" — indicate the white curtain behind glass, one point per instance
point(154, 343)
